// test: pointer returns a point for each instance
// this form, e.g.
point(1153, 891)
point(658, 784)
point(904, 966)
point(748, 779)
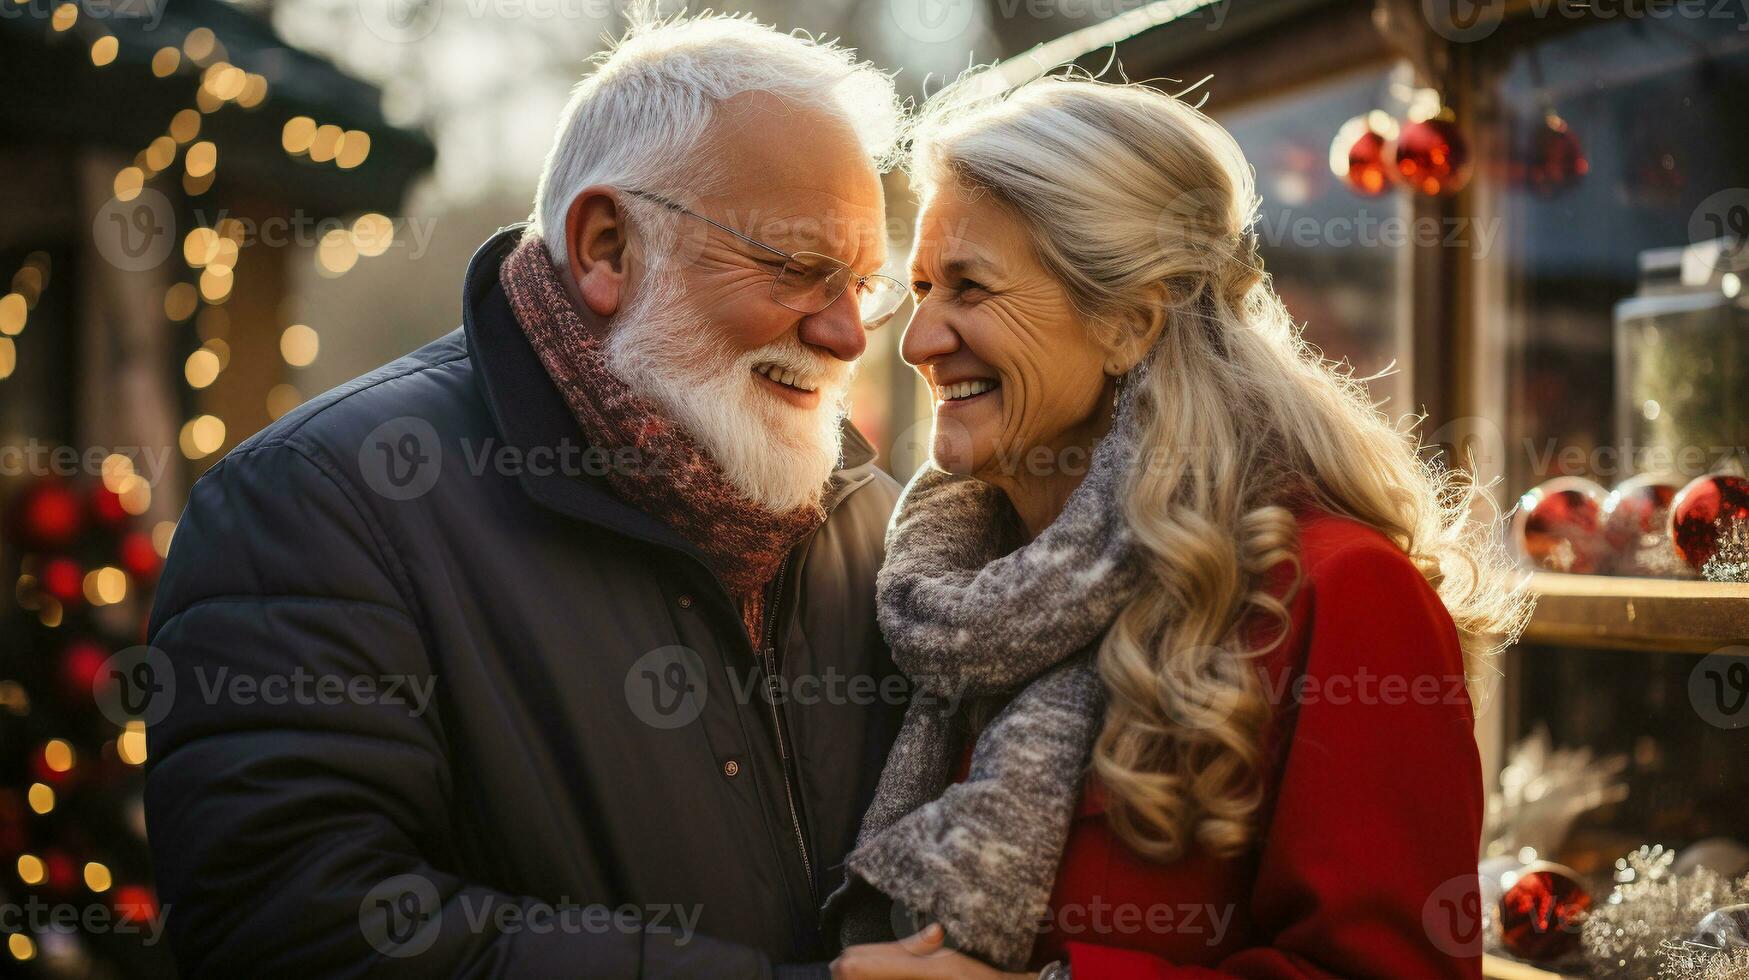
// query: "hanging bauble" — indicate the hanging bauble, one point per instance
point(1557, 161)
point(1559, 526)
point(136, 902)
point(1357, 154)
point(138, 557)
point(1636, 522)
point(1709, 526)
point(48, 515)
point(1541, 912)
point(1431, 155)
point(1725, 928)
point(62, 579)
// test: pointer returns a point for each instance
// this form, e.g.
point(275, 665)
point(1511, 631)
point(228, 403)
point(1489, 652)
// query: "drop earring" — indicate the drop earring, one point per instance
point(1117, 394)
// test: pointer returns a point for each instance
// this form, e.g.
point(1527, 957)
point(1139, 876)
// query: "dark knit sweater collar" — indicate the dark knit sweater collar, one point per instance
point(654, 464)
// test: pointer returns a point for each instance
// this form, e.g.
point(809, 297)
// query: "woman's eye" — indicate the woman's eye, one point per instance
point(919, 289)
point(966, 285)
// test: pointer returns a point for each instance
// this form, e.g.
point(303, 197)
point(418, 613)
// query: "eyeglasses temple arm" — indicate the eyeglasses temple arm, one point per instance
point(673, 206)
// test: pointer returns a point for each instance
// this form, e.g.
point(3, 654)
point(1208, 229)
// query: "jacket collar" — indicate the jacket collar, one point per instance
point(530, 412)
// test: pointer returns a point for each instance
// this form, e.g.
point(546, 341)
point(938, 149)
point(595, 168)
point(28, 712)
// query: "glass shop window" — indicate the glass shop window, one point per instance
point(1327, 246)
point(1622, 177)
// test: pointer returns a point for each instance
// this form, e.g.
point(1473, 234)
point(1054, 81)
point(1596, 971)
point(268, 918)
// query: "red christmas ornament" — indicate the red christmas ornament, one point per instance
point(48, 515)
point(1559, 526)
point(1709, 523)
point(63, 579)
point(1540, 914)
point(80, 667)
point(60, 872)
point(1357, 154)
point(106, 504)
point(1636, 522)
point(1557, 160)
point(138, 557)
point(137, 903)
point(1431, 155)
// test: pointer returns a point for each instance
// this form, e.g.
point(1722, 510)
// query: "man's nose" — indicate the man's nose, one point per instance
point(837, 329)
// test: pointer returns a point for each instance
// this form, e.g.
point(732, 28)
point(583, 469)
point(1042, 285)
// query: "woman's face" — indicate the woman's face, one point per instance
point(1019, 384)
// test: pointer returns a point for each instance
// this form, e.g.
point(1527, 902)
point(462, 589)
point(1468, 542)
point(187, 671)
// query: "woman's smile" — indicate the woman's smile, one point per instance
point(963, 393)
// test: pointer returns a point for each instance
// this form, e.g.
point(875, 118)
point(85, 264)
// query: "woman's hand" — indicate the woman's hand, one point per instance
point(918, 957)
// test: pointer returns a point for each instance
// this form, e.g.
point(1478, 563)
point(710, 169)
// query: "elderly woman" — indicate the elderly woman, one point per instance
point(1212, 614)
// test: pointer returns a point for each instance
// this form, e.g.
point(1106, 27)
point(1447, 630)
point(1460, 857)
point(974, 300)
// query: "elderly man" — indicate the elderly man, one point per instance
point(549, 649)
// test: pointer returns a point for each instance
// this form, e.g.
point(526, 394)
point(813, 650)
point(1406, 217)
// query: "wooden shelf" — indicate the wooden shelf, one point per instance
point(1638, 613)
point(1500, 968)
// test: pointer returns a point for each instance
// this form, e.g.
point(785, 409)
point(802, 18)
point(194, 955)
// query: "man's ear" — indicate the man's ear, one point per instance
point(597, 237)
point(1140, 333)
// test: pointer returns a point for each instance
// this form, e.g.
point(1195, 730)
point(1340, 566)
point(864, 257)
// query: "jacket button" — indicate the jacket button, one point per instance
point(686, 603)
point(731, 767)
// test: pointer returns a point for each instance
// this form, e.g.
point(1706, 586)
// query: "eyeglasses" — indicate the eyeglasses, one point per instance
point(810, 282)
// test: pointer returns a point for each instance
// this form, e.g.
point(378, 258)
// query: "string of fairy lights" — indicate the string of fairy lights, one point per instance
point(211, 251)
point(211, 254)
point(28, 283)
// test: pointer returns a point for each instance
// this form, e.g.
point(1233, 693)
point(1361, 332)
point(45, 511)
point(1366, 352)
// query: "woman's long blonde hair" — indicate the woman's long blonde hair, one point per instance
point(1134, 198)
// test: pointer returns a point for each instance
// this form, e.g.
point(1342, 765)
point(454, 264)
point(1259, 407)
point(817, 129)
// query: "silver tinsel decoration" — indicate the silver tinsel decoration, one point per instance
point(1685, 964)
point(1643, 930)
point(1731, 562)
point(1543, 789)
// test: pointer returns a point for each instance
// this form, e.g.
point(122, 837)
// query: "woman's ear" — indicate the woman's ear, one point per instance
point(1140, 332)
point(598, 237)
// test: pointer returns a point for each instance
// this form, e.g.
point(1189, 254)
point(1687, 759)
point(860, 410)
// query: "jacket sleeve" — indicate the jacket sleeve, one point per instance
point(298, 811)
point(1368, 865)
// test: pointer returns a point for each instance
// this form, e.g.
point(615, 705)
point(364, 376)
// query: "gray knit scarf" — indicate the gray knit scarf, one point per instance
point(969, 615)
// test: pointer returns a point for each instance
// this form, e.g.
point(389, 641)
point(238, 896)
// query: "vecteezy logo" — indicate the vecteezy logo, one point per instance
point(666, 687)
point(135, 235)
point(944, 441)
point(401, 916)
point(1470, 443)
point(1724, 215)
point(1197, 216)
point(138, 683)
point(1719, 687)
point(1463, 20)
point(932, 21)
point(906, 922)
point(401, 458)
point(400, 21)
point(1194, 705)
point(1452, 916)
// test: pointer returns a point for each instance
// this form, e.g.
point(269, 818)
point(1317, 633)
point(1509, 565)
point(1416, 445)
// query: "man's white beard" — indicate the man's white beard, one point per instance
point(775, 454)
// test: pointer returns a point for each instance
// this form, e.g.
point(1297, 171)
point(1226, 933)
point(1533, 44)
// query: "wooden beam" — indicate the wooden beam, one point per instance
point(1638, 613)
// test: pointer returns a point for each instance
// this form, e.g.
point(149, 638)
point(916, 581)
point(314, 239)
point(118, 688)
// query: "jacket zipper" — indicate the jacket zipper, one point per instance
point(769, 653)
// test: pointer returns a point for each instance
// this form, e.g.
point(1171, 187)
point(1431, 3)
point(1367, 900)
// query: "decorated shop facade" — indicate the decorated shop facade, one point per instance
point(165, 166)
point(1561, 193)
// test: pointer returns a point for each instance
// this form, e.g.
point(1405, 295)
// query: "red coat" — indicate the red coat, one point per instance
point(1366, 863)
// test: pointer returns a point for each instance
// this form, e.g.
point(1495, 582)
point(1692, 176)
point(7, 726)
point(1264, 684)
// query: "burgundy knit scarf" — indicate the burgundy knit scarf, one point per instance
point(657, 466)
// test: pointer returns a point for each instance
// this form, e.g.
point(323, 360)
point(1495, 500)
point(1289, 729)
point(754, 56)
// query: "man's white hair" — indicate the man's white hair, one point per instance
point(638, 120)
